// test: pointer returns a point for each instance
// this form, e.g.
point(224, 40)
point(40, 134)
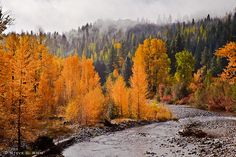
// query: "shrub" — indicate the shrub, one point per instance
point(221, 96)
point(180, 91)
point(158, 112)
point(199, 98)
point(167, 97)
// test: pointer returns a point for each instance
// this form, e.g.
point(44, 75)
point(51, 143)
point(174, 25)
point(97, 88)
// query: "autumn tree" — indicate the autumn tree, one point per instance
point(120, 96)
point(138, 85)
point(4, 72)
point(109, 110)
point(8, 116)
point(59, 84)
point(70, 74)
point(93, 105)
point(5, 21)
point(89, 96)
point(228, 52)
point(23, 73)
point(157, 63)
point(47, 85)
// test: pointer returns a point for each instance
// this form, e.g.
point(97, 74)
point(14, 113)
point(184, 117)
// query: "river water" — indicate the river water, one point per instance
point(158, 139)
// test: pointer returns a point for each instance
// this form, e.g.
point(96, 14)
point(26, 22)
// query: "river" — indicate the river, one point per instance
point(163, 138)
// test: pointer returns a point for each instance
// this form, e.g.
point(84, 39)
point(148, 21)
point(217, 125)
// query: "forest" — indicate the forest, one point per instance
point(109, 70)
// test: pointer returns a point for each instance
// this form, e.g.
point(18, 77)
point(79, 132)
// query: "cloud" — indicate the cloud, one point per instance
point(63, 15)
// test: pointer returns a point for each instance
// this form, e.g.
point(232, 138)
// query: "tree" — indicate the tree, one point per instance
point(179, 45)
point(24, 68)
point(184, 66)
point(234, 27)
point(127, 70)
point(139, 86)
point(60, 87)
point(100, 67)
point(4, 87)
point(120, 96)
point(88, 103)
point(47, 90)
point(5, 21)
point(93, 104)
point(229, 52)
point(157, 63)
point(70, 74)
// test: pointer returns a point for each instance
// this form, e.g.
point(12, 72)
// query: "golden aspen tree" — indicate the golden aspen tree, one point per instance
point(79, 110)
point(93, 101)
point(70, 73)
point(88, 82)
point(138, 85)
point(228, 52)
point(109, 105)
point(120, 96)
point(46, 89)
point(109, 86)
point(156, 62)
point(60, 86)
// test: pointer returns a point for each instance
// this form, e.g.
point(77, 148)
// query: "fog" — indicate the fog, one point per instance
point(63, 15)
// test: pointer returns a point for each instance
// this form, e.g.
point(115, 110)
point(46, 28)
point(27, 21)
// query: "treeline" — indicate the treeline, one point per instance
point(112, 46)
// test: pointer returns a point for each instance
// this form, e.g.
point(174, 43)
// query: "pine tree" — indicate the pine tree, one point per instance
point(127, 70)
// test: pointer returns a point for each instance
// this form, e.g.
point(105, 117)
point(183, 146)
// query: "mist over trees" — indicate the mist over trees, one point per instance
point(99, 41)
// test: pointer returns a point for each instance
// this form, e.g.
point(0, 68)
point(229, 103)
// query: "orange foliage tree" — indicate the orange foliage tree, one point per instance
point(138, 86)
point(46, 89)
point(89, 96)
point(70, 74)
point(21, 97)
point(120, 96)
point(229, 52)
point(4, 72)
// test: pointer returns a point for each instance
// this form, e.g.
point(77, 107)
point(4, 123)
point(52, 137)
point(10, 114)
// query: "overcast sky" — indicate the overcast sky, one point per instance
point(63, 15)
